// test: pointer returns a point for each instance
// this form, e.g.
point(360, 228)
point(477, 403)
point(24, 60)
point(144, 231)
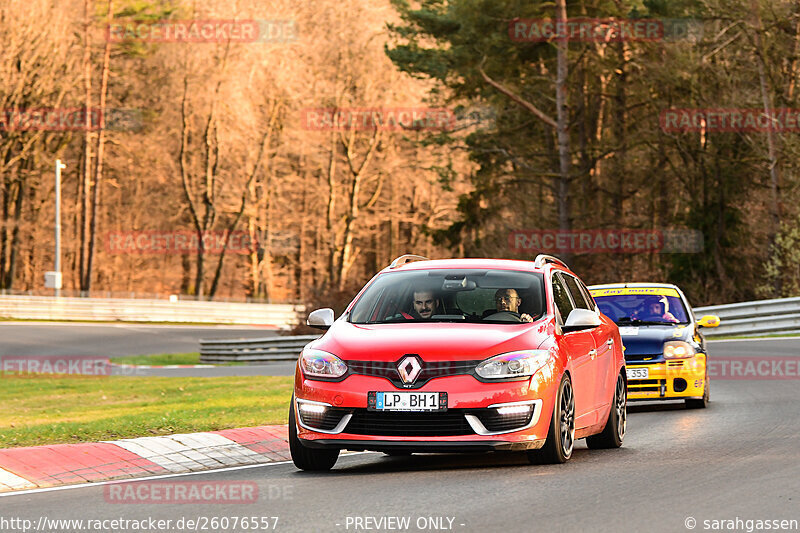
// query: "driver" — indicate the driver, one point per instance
point(425, 305)
point(657, 308)
point(508, 300)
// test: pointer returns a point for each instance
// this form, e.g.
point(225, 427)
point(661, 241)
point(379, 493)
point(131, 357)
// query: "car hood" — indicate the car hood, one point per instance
point(431, 341)
point(649, 340)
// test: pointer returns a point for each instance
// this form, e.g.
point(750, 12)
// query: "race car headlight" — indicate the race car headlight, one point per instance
point(513, 364)
point(678, 350)
point(319, 364)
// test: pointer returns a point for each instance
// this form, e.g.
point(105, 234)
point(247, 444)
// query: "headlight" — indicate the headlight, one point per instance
point(513, 364)
point(678, 350)
point(319, 364)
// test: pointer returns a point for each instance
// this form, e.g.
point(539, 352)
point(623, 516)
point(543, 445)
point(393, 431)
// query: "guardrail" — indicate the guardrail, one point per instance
point(752, 318)
point(253, 350)
point(762, 317)
point(140, 310)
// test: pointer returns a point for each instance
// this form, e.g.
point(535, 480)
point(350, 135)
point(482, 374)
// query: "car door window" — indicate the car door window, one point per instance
point(561, 298)
point(588, 296)
point(577, 294)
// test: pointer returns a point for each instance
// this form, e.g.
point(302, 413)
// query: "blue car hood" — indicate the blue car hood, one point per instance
point(649, 340)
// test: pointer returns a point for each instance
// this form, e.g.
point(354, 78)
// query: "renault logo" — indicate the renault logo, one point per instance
point(409, 368)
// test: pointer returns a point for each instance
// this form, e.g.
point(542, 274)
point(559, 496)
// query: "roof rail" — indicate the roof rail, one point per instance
point(407, 258)
point(541, 259)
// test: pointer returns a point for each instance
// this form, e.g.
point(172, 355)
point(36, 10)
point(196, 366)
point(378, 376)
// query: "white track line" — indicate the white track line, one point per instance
point(162, 476)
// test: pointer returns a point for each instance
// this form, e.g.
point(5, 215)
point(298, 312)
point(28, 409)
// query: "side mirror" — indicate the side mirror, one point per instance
point(708, 321)
point(580, 319)
point(320, 318)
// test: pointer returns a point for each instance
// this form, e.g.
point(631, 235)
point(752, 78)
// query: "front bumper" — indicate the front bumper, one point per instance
point(671, 379)
point(425, 446)
point(470, 423)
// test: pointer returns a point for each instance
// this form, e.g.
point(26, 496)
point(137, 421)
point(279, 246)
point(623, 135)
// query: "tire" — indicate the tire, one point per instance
point(616, 423)
point(561, 435)
point(692, 403)
point(306, 458)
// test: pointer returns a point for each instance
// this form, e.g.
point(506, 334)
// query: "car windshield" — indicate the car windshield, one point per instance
point(641, 306)
point(451, 295)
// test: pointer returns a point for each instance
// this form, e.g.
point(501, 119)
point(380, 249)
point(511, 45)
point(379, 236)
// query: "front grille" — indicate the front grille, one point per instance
point(649, 358)
point(325, 421)
point(397, 424)
point(430, 370)
point(493, 421)
point(645, 385)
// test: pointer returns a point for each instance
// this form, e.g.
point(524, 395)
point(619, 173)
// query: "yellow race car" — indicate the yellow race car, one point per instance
point(665, 352)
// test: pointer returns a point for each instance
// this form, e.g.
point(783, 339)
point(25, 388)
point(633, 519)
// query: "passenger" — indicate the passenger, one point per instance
point(508, 300)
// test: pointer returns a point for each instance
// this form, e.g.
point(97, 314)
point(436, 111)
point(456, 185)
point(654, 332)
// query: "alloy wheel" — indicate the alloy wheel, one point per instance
point(567, 420)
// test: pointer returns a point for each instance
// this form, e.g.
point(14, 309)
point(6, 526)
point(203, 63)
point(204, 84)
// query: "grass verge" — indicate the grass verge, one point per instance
point(164, 359)
point(51, 410)
point(161, 359)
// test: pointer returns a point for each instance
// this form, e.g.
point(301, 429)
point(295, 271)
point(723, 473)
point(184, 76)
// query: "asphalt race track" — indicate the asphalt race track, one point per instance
point(113, 340)
point(740, 458)
point(26, 339)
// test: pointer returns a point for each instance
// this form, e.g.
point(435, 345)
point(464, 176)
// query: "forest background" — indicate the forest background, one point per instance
point(223, 137)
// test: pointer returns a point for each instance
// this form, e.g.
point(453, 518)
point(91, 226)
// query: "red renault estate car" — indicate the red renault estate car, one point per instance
point(461, 355)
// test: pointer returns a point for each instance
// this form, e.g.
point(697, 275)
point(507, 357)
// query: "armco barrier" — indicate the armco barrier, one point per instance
point(747, 318)
point(762, 317)
point(141, 310)
point(253, 350)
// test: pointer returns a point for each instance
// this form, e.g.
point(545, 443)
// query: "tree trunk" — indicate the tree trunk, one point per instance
point(265, 143)
point(5, 193)
point(772, 151)
point(792, 70)
point(620, 135)
point(562, 123)
point(302, 253)
point(357, 173)
point(15, 233)
point(98, 169)
point(254, 281)
point(331, 212)
point(87, 143)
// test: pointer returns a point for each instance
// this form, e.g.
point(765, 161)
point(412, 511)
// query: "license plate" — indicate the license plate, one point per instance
point(637, 373)
point(407, 401)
